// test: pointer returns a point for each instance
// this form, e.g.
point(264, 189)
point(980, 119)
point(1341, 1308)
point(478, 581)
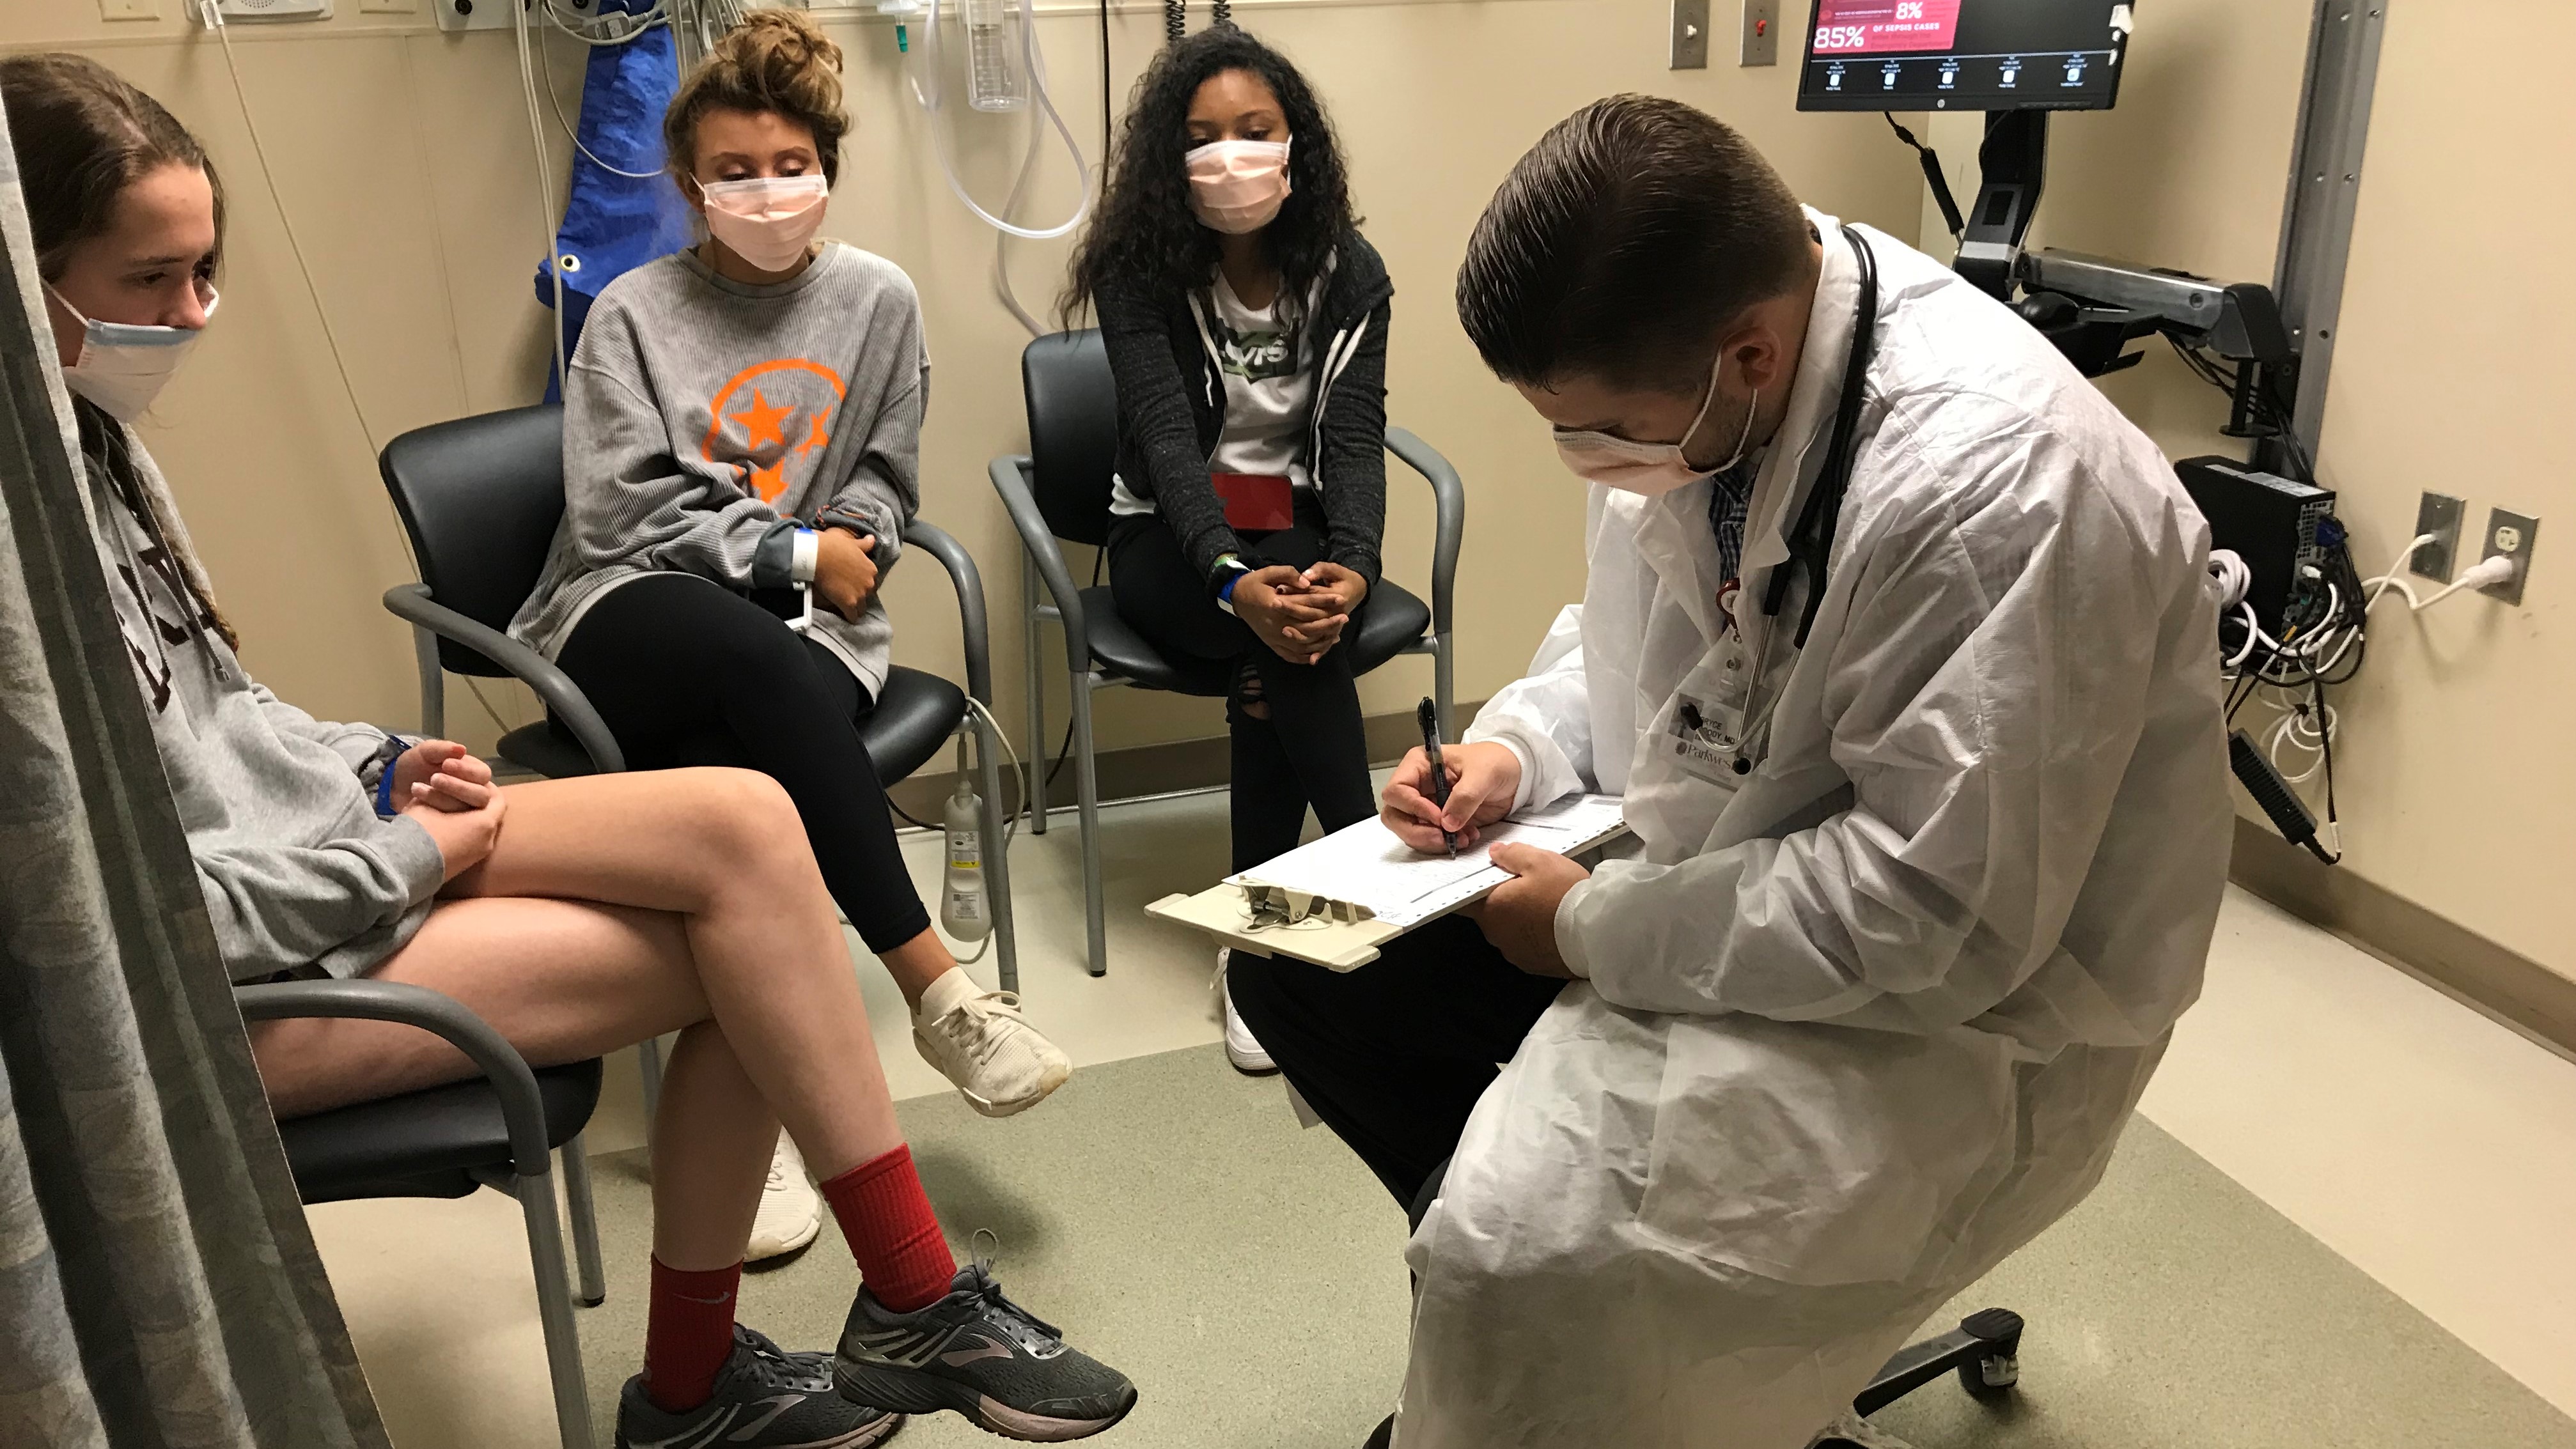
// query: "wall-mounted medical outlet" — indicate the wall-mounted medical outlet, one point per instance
point(472, 14)
point(2510, 536)
point(276, 9)
point(129, 9)
point(1690, 35)
point(2439, 515)
point(1761, 42)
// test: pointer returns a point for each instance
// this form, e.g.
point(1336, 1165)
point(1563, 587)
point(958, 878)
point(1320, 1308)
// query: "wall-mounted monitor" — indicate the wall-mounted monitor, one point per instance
point(1963, 55)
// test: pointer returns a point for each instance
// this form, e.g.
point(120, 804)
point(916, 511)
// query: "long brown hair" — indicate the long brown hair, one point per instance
point(82, 134)
point(778, 61)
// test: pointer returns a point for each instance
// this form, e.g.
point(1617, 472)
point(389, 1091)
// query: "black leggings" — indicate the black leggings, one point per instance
point(1311, 749)
point(687, 672)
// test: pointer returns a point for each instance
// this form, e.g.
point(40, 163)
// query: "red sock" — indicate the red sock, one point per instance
point(688, 1334)
point(892, 1231)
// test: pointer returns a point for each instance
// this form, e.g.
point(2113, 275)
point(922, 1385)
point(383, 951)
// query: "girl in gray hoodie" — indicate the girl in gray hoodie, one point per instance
point(575, 916)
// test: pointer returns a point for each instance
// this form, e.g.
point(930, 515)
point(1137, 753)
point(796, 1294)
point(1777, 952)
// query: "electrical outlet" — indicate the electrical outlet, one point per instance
point(1761, 44)
point(2510, 535)
point(1690, 35)
point(129, 9)
point(2439, 515)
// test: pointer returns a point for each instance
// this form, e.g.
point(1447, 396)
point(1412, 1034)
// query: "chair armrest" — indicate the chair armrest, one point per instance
point(1449, 514)
point(432, 1011)
point(413, 602)
point(952, 555)
point(1039, 540)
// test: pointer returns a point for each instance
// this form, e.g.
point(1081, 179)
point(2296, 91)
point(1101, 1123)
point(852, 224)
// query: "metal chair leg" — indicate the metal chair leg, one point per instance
point(536, 1195)
point(997, 855)
point(1035, 767)
point(648, 1062)
point(1444, 684)
point(585, 1223)
point(1087, 783)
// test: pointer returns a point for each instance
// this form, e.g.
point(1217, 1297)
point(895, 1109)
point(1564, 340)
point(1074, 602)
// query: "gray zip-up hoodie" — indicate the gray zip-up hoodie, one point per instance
point(298, 871)
point(707, 420)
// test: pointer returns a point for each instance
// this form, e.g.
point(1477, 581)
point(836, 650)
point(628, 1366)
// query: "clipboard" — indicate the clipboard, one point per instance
point(1336, 901)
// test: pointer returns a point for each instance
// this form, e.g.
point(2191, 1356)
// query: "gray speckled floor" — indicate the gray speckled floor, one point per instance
point(1251, 1284)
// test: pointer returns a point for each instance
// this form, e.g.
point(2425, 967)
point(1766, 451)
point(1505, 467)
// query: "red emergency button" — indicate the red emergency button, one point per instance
point(1761, 28)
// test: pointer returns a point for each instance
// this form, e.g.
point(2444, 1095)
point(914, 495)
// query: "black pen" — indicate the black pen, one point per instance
point(1439, 771)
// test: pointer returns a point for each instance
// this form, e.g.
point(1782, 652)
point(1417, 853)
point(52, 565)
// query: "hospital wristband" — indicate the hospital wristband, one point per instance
point(805, 557)
point(400, 745)
point(1225, 591)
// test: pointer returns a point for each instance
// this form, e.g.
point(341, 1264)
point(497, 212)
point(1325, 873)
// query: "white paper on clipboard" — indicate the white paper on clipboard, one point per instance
point(1367, 866)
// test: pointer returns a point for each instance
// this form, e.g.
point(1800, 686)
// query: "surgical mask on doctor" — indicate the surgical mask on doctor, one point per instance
point(123, 366)
point(767, 220)
point(1237, 186)
point(1650, 469)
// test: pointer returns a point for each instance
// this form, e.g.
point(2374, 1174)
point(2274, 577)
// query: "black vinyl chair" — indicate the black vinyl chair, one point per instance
point(1984, 1351)
point(499, 1130)
point(1060, 489)
point(480, 498)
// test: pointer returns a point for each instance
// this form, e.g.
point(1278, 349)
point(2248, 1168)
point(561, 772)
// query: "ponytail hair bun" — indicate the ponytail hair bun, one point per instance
point(776, 61)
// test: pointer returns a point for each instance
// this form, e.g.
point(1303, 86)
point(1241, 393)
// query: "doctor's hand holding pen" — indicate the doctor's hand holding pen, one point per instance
point(1483, 781)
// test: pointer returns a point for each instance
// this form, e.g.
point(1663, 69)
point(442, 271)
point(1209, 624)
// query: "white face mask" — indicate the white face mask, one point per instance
point(1650, 469)
point(767, 220)
point(123, 366)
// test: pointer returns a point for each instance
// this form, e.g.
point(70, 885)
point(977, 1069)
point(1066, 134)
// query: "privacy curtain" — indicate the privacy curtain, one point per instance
point(157, 1284)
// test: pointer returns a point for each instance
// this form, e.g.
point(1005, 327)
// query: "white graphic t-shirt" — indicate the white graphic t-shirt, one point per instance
point(1267, 364)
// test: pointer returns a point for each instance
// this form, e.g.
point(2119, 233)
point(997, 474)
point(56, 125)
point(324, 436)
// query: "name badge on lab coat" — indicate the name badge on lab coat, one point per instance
point(1706, 729)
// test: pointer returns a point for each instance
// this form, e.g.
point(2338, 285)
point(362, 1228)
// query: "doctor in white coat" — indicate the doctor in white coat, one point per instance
point(1928, 788)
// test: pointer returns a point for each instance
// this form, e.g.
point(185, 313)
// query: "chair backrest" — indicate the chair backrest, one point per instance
point(1073, 432)
point(480, 497)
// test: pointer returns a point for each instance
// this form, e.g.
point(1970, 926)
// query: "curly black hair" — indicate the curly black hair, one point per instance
point(1144, 234)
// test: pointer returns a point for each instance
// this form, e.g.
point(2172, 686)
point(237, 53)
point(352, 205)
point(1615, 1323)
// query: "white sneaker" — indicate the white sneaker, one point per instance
point(791, 1212)
point(1242, 1049)
point(978, 1040)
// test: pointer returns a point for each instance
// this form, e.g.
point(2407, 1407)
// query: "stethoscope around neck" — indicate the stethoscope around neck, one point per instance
point(1811, 541)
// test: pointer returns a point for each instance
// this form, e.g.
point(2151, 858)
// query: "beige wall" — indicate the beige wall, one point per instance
point(404, 160)
point(2451, 373)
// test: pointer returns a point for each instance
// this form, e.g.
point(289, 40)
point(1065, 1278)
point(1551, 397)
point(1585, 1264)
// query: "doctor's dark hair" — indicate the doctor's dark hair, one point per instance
point(1145, 237)
point(776, 60)
point(1623, 244)
point(82, 134)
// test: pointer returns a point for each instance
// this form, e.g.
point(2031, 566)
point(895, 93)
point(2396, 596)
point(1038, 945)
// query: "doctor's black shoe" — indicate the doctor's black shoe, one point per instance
point(765, 1399)
point(981, 1355)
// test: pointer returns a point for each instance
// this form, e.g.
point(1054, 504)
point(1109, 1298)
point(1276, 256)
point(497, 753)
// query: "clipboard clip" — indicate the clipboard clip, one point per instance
point(1275, 907)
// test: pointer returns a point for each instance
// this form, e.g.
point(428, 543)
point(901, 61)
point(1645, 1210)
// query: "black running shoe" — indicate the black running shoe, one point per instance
point(765, 1399)
point(985, 1357)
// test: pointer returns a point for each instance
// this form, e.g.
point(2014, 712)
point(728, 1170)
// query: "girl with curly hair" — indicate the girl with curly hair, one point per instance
point(1245, 319)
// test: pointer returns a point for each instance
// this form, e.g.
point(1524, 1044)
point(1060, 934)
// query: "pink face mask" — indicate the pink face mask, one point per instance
point(1649, 469)
point(1237, 186)
point(767, 220)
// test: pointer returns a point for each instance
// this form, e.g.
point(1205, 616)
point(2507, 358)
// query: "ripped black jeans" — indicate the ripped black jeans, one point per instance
point(1311, 749)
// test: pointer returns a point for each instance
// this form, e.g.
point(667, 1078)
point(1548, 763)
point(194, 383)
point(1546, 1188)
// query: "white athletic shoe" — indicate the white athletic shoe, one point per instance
point(1242, 1049)
point(791, 1212)
point(1851, 1431)
point(978, 1040)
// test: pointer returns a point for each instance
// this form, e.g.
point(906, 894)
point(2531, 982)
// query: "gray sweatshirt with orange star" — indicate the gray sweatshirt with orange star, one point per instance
point(707, 422)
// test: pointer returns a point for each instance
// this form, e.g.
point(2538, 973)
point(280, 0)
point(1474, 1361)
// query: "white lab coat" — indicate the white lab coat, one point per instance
point(1863, 1020)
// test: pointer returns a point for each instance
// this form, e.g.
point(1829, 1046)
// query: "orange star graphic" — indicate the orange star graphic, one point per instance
point(771, 481)
point(815, 437)
point(760, 421)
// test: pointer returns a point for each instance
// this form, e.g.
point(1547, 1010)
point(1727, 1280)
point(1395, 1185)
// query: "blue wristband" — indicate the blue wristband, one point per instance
point(385, 777)
point(1227, 593)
